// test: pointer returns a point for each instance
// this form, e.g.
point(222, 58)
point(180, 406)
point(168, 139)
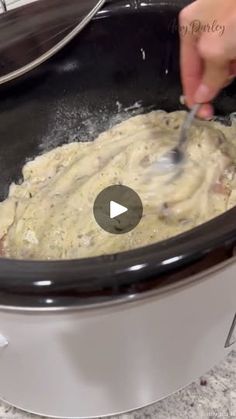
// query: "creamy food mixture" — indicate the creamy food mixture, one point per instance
point(50, 215)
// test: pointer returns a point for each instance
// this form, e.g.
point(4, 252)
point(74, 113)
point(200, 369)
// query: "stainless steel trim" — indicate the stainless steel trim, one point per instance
point(231, 339)
point(134, 299)
point(3, 5)
point(55, 49)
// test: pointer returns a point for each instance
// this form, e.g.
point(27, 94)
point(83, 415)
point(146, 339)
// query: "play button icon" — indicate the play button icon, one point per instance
point(118, 209)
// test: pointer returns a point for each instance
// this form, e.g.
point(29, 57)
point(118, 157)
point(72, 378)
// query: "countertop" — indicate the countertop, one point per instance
point(212, 396)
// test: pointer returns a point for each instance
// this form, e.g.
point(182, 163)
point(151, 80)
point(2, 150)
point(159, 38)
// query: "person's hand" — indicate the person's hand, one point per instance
point(208, 50)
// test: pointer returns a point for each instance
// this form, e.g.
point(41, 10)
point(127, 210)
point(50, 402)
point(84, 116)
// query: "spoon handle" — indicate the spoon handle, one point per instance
point(187, 124)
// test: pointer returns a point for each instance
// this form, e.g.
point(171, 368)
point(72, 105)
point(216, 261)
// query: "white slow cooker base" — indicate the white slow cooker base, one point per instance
point(125, 412)
point(112, 360)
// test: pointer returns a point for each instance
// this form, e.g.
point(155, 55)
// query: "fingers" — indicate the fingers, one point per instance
point(191, 65)
point(190, 61)
point(207, 59)
point(216, 68)
point(191, 68)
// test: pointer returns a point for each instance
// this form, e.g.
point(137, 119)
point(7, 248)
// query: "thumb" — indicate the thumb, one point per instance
point(215, 76)
point(215, 67)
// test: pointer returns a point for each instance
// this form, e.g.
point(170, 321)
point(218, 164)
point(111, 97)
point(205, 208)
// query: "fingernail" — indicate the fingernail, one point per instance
point(206, 112)
point(206, 115)
point(202, 94)
point(182, 100)
point(208, 118)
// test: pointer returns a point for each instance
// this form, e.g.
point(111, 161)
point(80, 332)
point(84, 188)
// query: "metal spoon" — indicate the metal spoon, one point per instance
point(173, 158)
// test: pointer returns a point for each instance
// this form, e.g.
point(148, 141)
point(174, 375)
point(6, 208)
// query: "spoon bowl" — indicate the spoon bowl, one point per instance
point(175, 157)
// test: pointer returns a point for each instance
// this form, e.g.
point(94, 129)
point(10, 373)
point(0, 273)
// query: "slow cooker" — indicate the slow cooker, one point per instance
point(104, 335)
